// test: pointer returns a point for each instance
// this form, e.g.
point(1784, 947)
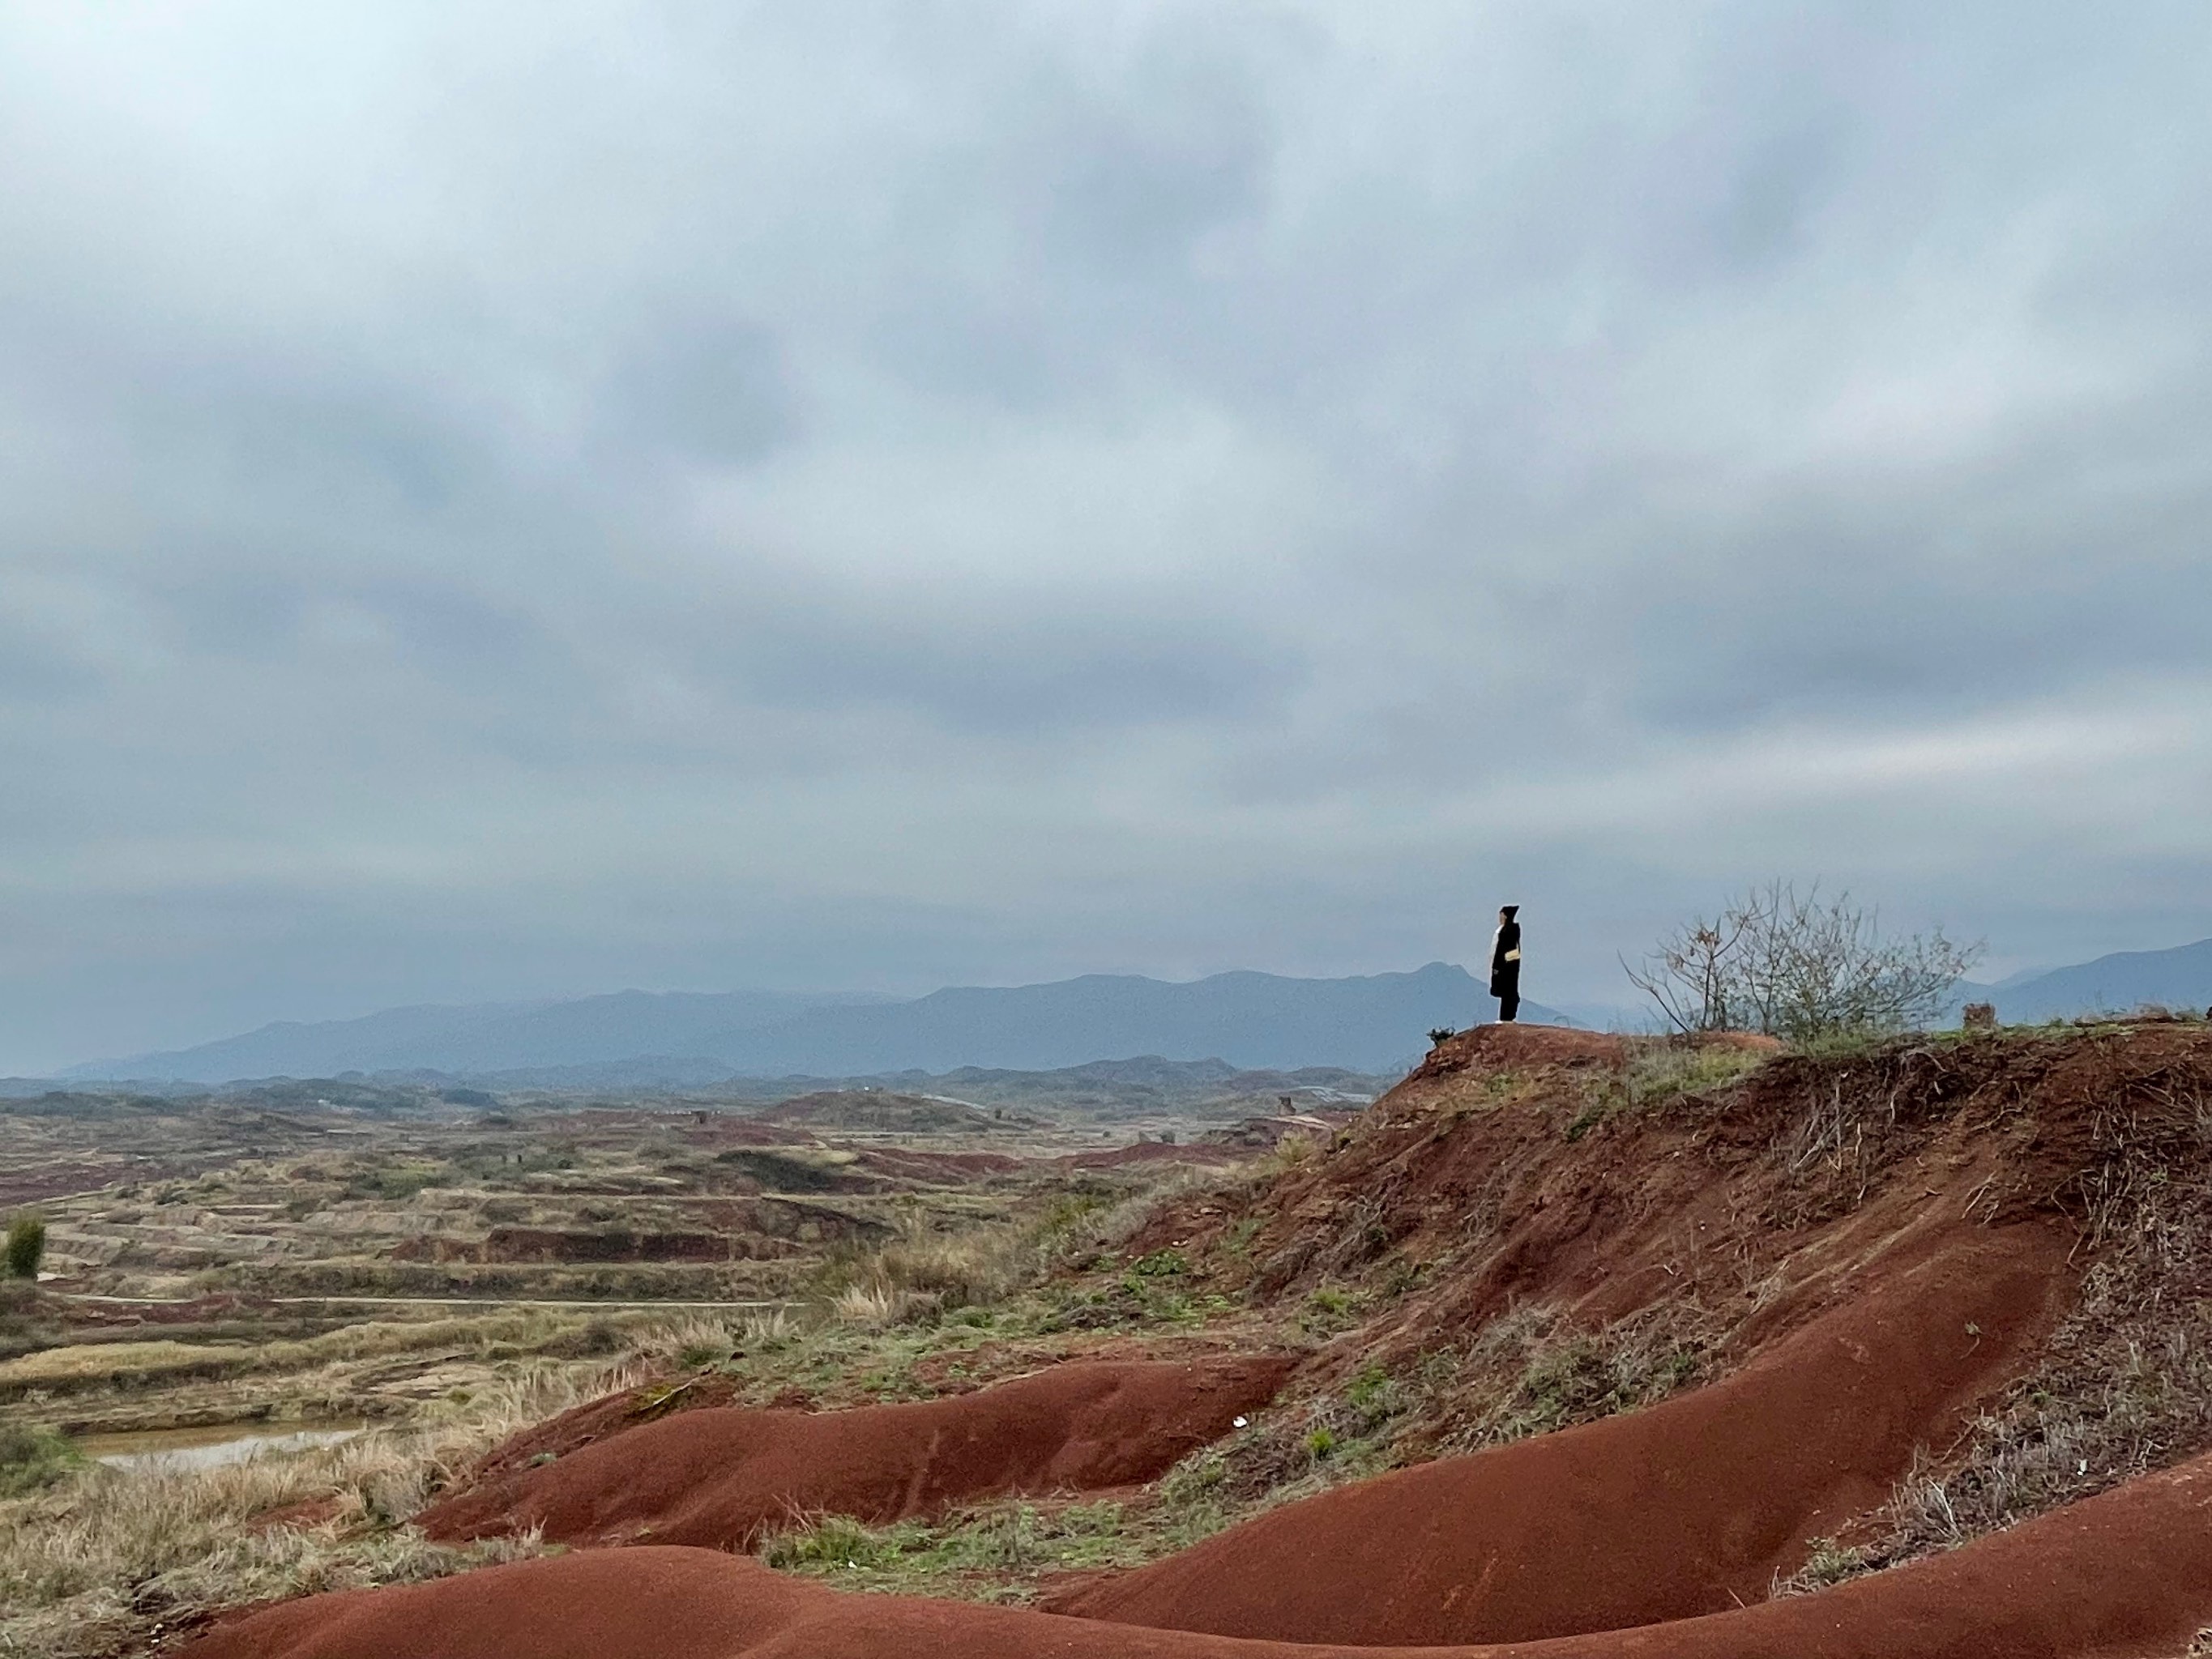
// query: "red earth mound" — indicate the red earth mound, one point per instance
point(2127, 1575)
point(722, 1476)
point(1516, 1044)
point(1687, 1508)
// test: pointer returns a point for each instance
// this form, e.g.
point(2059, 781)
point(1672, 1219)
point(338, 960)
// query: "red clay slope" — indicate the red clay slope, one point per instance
point(2127, 1575)
point(722, 1476)
point(1687, 1508)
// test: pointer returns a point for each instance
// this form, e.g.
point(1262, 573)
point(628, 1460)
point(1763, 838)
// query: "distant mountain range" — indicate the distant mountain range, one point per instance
point(479, 1037)
point(2179, 979)
point(1254, 1021)
point(1378, 1023)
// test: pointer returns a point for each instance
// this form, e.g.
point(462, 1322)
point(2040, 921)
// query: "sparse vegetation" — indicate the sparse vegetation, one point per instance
point(930, 1262)
point(994, 1553)
point(1799, 968)
point(1659, 1071)
point(1570, 1376)
point(1289, 1153)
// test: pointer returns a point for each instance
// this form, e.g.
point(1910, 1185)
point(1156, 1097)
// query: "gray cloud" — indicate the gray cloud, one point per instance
point(706, 389)
point(529, 499)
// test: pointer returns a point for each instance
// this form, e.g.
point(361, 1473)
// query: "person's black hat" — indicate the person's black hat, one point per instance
point(1507, 909)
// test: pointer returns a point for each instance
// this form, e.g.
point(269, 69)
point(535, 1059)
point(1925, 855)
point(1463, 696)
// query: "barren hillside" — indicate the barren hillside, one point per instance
point(1616, 1348)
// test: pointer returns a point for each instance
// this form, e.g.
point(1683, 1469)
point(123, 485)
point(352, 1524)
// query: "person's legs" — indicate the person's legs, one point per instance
point(1508, 1006)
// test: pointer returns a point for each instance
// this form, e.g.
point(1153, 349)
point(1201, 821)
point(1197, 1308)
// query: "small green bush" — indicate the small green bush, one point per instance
point(32, 1459)
point(27, 1244)
point(1161, 1264)
point(833, 1540)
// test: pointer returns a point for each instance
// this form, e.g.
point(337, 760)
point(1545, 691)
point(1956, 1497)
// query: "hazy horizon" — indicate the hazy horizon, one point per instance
point(520, 502)
point(1634, 1012)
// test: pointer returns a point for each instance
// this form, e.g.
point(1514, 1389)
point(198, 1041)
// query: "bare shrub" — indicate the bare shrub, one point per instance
point(1800, 968)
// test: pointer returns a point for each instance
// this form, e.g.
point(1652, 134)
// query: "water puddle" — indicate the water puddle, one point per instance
point(209, 1447)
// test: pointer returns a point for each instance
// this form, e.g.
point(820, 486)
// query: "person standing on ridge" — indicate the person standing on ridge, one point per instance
point(1506, 963)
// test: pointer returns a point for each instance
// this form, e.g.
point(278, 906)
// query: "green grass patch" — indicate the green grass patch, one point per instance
point(993, 1555)
point(1657, 1076)
point(33, 1459)
point(1161, 1264)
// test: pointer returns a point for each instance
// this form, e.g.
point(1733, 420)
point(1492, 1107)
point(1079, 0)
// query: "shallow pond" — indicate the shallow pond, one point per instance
point(211, 1447)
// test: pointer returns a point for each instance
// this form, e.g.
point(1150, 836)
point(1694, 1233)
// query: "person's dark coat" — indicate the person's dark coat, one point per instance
point(1505, 961)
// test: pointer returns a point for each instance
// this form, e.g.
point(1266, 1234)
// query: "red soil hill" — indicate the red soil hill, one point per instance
point(1515, 1169)
point(723, 1475)
point(2127, 1575)
point(1689, 1507)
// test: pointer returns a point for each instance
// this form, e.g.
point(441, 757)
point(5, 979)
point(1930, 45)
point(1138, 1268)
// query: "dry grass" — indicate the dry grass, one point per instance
point(2127, 1390)
point(105, 1364)
point(111, 1558)
point(105, 1560)
point(1530, 1371)
point(871, 1306)
point(927, 1274)
point(703, 1339)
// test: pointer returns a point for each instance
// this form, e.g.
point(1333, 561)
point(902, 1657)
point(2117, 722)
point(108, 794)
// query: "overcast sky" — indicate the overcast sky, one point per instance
point(500, 501)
